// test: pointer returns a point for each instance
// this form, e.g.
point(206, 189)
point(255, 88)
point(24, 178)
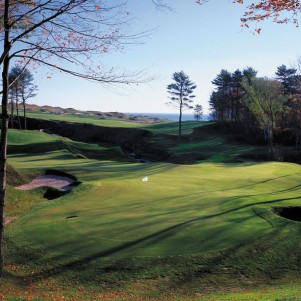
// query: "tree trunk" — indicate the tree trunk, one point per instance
point(271, 147)
point(12, 113)
point(24, 112)
point(17, 108)
point(4, 130)
point(180, 123)
point(270, 140)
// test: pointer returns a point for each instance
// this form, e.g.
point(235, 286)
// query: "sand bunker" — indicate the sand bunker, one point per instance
point(8, 220)
point(54, 181)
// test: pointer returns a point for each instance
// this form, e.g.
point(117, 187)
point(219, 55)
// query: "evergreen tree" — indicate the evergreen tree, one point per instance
point(288, 78)
point(198, 112)
point(236, 94)
point(226, 102)
point(222, 97)
point(181, 94)
point(249, 73)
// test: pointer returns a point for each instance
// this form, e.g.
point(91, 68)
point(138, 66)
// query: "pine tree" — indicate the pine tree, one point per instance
point(222, 95)
point(198, 112)
point(181, 94)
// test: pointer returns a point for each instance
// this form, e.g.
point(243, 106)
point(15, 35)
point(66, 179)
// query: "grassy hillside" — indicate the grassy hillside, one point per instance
point(85, 119)
point(55, 112)
point(193, 232)
point(202, 143)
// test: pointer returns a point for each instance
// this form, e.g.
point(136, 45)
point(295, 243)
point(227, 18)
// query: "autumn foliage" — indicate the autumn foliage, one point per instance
point(279, 11)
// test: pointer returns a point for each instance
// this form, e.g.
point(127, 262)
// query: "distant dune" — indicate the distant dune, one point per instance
point(32, 108)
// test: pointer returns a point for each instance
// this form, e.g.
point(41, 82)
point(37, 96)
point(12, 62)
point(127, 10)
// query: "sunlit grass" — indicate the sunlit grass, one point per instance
point(172, 128)
point(187, 227)
point(193, 208)
point(86, 119)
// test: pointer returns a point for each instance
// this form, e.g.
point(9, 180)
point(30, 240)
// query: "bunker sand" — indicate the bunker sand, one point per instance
point(8, 220)
point(54, 181)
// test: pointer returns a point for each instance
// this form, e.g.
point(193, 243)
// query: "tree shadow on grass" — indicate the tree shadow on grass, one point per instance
point(156, 236)
point(33, 148)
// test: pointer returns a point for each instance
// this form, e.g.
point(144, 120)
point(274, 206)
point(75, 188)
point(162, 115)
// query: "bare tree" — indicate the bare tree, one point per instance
point(70, 36)
point(22, 87)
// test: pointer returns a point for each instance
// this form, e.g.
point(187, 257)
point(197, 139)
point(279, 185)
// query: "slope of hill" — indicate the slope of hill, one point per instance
point(31, 108)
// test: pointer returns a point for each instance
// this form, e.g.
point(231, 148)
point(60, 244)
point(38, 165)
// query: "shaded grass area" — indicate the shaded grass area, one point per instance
point(28, 142)
point(171, 128)
point(198, 144)
point(202, 143)
point(195, 232)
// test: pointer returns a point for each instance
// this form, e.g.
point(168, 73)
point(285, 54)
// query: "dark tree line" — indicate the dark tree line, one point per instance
point(250, 102)
point(226, 101)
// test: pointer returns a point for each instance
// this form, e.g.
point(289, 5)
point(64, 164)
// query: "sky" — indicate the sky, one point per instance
point(199, 40)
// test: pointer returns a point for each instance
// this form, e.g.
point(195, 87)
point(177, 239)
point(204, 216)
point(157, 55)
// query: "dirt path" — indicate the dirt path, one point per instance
point(58, 182)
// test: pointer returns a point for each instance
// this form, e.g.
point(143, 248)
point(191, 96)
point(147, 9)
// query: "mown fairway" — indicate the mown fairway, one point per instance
point(212, 216)
point(86, 119)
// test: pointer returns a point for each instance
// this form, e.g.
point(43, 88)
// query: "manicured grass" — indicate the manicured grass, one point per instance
point(205, 145)
point(186, 209)
point(172, 128)
point(86, 119)
point(189, 231)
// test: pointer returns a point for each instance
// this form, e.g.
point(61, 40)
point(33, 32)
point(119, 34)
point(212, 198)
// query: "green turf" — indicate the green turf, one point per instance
point(187, 223)
point(184, 209)
point(166, 127)
point(172, 128)
point(86, 119)
point(205, 145)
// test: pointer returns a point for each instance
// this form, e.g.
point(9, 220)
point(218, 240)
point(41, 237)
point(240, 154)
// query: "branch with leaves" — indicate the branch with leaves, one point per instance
point(279, 11)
